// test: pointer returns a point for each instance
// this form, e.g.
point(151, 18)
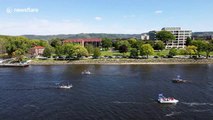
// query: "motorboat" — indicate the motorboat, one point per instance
point(178, 79)
point(165, 100)
point(65, 86)
point(86, 72)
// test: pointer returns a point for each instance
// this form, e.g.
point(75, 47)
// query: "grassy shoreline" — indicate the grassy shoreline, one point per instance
point(124, 61)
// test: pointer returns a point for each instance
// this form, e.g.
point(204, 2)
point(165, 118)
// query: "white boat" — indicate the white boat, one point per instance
point(65, 86)
point(178, 80)
point(86, 72)
point(164, 100)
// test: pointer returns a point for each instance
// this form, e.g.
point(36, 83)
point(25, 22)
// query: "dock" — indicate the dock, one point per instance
point(13, 65)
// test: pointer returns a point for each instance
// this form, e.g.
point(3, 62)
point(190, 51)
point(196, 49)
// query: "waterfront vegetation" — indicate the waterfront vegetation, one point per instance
point(124, 49)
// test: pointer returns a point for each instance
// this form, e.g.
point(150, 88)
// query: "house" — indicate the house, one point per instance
point(37, 50)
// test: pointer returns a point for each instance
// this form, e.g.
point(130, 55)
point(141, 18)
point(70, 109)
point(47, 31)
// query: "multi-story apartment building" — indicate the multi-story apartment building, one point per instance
point(180, 35)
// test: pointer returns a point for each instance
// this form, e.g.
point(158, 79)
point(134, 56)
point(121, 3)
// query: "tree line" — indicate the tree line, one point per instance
point(19, 46)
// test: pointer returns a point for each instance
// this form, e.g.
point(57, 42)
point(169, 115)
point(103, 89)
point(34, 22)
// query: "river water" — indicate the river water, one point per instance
point(111, 92)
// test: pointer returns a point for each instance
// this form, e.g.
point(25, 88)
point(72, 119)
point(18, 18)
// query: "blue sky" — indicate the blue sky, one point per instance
point(102, 16)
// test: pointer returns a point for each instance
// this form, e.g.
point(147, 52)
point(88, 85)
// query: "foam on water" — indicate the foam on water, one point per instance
point(197, 104)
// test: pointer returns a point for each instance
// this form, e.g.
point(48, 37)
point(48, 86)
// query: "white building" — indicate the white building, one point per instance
point(180, 35)
point(144, 36)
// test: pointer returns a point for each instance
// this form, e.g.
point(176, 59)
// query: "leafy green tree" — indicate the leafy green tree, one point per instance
point(182, 52)
point(133, 42)
point(139, 44)
point(208, 47)
point(36, 42)
point(152, 43)
point(106, 43)
point(59, 50)
point(200, 46)
point(48, 51)
point(165, 36)
point(80, 51)
point(188, 41)
point(17, 43)
point(133, 53)
point(90, 48)
point(55, 42)
point(123, 49)
point(172, 52)
point(19, 54)
point(146, 49)
point(3, 43)
point(96, 53)
point(159, 45)
point(120, 43)
point(69, 50)
point(191, 50)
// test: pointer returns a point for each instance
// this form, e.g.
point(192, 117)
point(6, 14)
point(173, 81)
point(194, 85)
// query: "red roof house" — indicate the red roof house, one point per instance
point(37, 50)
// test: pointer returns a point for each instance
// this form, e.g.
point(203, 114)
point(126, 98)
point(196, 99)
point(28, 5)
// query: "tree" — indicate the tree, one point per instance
point(59, 50)
point(3, 42)
point(106, 43)
point(147, 50)
point(200, 46)
point(159, 45)
point(191, 50)
point(208, 47)
point(69, 50)
point(133, 42)
point(80, 51)
point(36, 42)
point(90, 48)
point(19, 54)
point(120, 43)
point(165, 36)
point(182, 52)
point(172, 52)
point(55, 42)
point(133, 52)
point(96, 53)
point(188, 41)
point(17, 43)
point(123, 49)
point(48, 51)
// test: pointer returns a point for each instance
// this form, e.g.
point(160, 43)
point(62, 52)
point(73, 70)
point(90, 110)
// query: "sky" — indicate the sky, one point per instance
point(50, 17)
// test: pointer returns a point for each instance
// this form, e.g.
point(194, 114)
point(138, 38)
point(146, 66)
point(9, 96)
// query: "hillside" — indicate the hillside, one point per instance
point(82, 35)
point(202, 34)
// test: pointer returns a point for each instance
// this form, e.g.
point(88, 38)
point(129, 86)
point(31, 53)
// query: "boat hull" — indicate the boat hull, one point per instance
point(168, 101)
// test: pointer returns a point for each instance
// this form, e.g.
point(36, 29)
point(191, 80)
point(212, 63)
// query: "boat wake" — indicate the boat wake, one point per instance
point(118, 102)
point(197, 104)
point(33, 88)
point(30, 106)
point(172, 114)
point(202, 110)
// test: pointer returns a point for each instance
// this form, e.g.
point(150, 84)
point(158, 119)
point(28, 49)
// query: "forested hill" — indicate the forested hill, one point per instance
point(202, 34)
point(83, 35)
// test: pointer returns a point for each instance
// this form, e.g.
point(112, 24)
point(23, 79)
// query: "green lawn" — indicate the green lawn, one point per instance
point(114, 53)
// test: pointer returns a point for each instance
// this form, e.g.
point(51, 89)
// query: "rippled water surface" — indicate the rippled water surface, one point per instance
point(111, 92)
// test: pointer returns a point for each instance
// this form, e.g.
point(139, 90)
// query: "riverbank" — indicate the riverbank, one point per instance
point(123, 61)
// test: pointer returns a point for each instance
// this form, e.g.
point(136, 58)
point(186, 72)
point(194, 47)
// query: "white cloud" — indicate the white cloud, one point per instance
point(158, 12)
point(98, 18)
